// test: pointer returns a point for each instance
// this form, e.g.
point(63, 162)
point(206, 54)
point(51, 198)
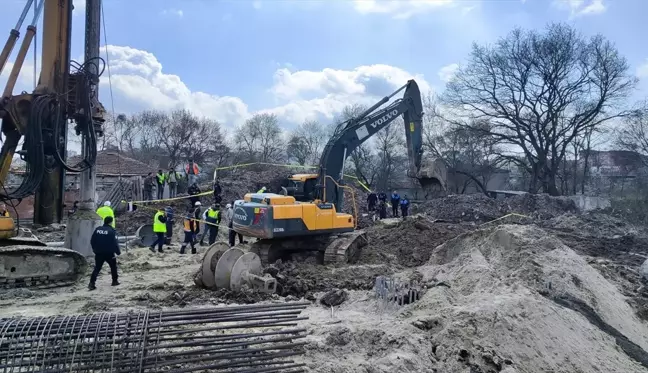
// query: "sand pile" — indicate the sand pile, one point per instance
point(508, 299)
point(519, 293)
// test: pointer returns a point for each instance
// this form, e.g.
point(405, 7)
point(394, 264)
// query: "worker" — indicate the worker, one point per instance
point(395, 201)
point(148, 187)
point(372, 198)
point(262, 190)
point(197, 214)
point(3, 210)
point(169, 224)
point(193, 171)
point(382, 196)
point(161, 180)
point(159, 228)
point(404, 205)
point(193, 192)
point(188, 226)
point(382, 209)
point(105, 247)
point(172, 179)
point(217, 192)
point(213, 218)
point(105, 211)
point(229, 216)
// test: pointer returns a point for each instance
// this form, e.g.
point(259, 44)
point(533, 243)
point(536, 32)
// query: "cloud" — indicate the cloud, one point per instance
point(139, 82)
point(579, 8)
point(447, 72)
point(399, 8)
point(642, 70)
point(313, 94)
point(78, 7)
point(173, 12)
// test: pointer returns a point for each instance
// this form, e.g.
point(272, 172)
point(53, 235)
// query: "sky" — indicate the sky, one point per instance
point(306, 59)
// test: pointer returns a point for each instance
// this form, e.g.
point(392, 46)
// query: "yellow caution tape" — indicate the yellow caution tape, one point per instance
point(181, 214)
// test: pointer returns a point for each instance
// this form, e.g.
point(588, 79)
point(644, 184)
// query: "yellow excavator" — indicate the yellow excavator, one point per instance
point(306, 217)
point(66, 91)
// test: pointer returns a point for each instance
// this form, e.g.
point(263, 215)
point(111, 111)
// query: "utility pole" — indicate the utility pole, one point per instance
point(82, 224)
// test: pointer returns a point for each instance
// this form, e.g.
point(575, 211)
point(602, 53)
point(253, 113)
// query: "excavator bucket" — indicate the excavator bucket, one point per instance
point(433, 177)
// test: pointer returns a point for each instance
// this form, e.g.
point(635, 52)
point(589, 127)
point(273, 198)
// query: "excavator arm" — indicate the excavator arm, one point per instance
point(354, 132)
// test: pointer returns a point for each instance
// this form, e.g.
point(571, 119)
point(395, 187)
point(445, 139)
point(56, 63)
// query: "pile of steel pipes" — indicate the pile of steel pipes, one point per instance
point(254, 338)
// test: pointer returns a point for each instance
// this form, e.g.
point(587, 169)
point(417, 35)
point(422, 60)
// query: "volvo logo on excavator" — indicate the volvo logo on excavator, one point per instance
point(240, 215)
point(384, 118)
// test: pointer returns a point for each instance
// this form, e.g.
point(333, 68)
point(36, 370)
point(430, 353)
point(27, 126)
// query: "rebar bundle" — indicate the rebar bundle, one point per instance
point(253, 338)
point(392, 291)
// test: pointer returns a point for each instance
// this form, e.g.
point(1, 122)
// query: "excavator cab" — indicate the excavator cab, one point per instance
point(301, 186)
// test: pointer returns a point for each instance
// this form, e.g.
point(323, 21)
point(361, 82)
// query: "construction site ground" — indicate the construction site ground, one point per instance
point(525, 284)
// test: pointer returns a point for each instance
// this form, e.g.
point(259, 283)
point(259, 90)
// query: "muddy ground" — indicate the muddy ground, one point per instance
point(445, 331)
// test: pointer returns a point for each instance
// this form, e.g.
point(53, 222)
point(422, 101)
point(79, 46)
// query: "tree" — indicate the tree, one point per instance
point(539, 92)
point(260, 138)
point(470, 157)
point(392, 162)
point(633, 134)
point(306, 142)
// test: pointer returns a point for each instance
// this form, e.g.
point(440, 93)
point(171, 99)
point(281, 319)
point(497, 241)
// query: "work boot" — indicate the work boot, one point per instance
point(193, 251)
point(115, 283)
point(152, 248)
point(92, 287)
point(160, 251)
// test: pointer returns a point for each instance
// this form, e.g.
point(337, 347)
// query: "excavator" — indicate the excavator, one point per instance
point(306, 216)
point(66, 91)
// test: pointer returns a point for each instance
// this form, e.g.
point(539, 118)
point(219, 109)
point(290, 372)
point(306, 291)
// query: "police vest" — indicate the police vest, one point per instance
point(105, 211)
point(158, 227)
point(212, 215)
point(161, 178)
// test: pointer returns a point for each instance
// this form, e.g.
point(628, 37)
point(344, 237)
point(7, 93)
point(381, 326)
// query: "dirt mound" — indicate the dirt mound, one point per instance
point(516, 290)
point(409, 242)
point(463, 208)
point(303, 279)
point(539, 206)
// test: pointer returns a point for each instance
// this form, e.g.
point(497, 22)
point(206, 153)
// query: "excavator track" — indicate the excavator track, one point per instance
point(38, 267)
point(331, 249)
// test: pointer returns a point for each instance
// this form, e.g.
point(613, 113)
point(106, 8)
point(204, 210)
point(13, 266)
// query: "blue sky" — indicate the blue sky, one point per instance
point(307, 59)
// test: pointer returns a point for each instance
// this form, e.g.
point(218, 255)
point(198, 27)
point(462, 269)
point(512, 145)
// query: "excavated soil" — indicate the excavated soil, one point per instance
point(408, 242)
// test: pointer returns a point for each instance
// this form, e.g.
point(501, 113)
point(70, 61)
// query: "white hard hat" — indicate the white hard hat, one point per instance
point(197, 203)
point(107, 203)
point(228, 206)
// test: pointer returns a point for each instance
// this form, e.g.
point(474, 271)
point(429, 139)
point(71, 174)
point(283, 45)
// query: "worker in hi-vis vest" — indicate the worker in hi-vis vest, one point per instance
point(159, 228)
point(106, 210)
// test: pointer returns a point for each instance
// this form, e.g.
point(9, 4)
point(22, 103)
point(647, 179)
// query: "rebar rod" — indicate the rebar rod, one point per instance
point(185, 340)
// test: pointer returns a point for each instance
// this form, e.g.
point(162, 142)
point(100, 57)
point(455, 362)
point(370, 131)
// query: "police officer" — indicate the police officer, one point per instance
point(105, 247)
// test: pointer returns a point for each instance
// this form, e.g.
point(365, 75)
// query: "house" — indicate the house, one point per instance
point(110, 167)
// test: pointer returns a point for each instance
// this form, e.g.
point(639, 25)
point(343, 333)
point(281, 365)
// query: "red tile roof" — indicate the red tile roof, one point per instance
point(112, 163)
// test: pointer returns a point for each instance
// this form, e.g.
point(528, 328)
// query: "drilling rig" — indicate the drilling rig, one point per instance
point(66, 93)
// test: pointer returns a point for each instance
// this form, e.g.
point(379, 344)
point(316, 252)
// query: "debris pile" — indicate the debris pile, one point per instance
point(409, 242)
point(463, 208)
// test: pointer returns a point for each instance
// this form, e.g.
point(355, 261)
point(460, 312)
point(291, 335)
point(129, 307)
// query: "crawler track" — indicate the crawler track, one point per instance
point(39, 266)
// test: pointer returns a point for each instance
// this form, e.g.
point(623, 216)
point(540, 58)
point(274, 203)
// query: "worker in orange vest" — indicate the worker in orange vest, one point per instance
point(192, 171)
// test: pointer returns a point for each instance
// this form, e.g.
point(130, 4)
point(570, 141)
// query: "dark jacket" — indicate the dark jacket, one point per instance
point(372, 198)
point(382, 196)
point(404, 203)
point(104, 241)
point(395, 197)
